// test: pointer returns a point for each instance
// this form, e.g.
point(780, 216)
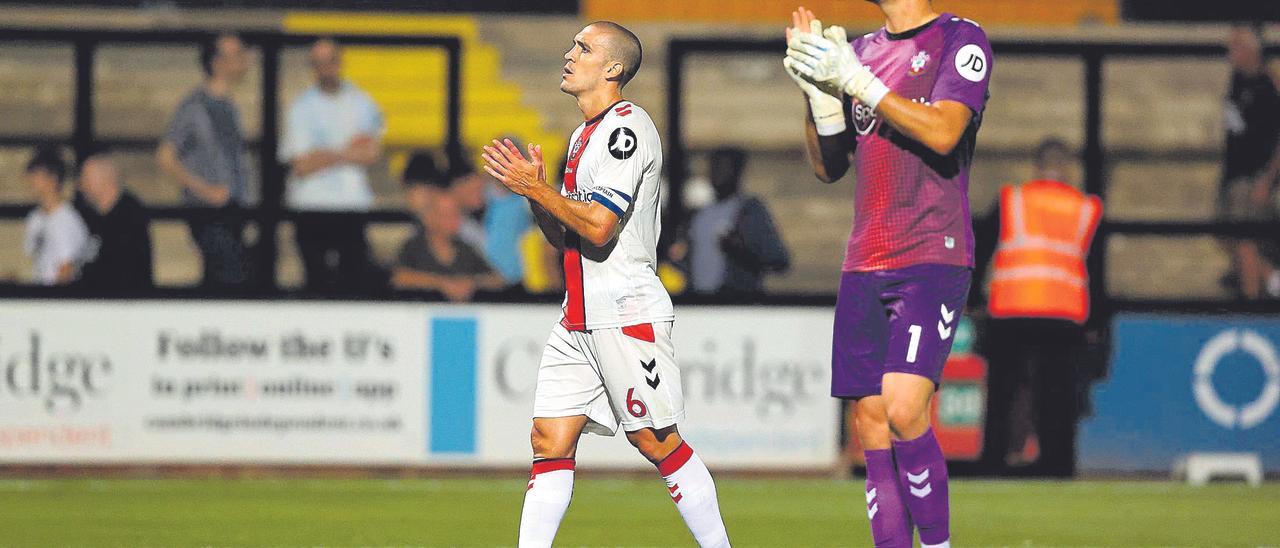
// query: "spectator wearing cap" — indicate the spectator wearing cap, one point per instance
point(333, 134)
point(119, 255)
point(56, 237)
point(203, 149)
point(423, 180)
point(436, 258)
point(505, 220)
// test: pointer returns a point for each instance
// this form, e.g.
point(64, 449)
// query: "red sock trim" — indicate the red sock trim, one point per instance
point(675, 460)
point(551, 465)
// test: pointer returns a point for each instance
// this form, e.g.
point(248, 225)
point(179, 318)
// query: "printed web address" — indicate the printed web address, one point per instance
point(315, 423)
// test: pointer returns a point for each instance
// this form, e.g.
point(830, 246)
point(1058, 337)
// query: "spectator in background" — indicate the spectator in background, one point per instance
point(203, 150)
point(56, 237)
point(436, 258)
point(333, 135)
point(119, 256)
point(423, 180)
point(733, 241)
point(1039, 304)
point(467, 187)
point(506, 220)
point(1252, 161)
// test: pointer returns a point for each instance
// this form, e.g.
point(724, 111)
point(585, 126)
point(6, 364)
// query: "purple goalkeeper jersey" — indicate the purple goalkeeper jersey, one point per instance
point(912, 205)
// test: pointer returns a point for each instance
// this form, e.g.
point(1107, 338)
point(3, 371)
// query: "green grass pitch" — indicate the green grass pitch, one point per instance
point(612, 512)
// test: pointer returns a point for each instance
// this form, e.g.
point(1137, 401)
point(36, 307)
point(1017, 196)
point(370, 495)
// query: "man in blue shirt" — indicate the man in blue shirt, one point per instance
point(332, 135)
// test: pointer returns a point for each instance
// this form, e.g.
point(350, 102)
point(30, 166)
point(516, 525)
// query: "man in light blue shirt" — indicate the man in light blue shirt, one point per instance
point(332, 136)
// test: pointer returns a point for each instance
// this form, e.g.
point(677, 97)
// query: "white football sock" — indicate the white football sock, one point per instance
point(550, 488)
point(694, 493)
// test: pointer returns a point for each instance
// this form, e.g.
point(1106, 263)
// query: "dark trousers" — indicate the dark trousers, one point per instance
point(1041, 360)
point(335, 253)
point(219, 235)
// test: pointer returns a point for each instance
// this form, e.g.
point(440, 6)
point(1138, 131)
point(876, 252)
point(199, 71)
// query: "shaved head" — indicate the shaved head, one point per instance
point(623, 46)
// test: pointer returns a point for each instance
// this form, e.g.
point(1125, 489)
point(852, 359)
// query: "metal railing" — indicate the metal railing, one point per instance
point(269, 213)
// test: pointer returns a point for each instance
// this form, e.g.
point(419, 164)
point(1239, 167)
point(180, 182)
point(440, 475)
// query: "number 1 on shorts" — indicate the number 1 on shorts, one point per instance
point(914, 344)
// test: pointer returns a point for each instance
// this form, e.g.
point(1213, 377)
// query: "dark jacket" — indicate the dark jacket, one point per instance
point(119, 258)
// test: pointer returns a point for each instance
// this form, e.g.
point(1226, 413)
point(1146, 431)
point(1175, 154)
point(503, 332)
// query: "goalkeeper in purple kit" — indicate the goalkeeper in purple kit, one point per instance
point(901, 105)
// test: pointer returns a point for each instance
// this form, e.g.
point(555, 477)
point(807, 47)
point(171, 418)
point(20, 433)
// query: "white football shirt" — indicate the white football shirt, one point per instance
point(615, 159)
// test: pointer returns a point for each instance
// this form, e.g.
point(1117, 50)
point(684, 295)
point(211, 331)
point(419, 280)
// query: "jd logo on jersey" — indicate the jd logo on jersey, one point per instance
point(971, 63)
point(622, 143)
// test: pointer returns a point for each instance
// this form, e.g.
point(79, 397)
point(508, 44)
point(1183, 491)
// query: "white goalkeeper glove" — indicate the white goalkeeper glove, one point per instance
point(828, 61)
point(827, 109)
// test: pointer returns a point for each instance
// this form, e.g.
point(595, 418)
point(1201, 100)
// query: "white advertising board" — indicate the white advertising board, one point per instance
point(97, 382)
point(102, 382)
point(756, 385)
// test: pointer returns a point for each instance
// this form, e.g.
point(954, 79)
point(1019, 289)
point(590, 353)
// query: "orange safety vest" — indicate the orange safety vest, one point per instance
point(1045, 231)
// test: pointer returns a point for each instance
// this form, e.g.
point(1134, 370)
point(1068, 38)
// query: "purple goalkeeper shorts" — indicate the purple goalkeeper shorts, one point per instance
point(894, 321)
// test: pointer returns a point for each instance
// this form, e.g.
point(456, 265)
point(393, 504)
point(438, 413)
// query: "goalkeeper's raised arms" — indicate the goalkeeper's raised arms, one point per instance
point(827, 109)
point(827, 60)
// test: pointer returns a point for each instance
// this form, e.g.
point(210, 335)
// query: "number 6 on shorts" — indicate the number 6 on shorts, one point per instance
point(635, 406)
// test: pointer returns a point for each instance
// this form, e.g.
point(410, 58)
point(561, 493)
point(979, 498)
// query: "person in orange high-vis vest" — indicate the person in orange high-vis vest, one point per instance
point(1038, 303)
point(1045, 231)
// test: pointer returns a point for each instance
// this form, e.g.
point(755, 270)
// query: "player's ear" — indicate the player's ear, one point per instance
point(614, 72)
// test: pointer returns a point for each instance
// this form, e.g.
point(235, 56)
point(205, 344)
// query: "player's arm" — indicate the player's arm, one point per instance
point(938, 126)
point(592, 220)
point(827, 137)
point(830, 64)
point(828, 154)
point(550, 227)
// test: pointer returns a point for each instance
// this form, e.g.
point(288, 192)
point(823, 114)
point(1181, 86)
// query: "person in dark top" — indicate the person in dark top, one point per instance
point(1251, 163)
point(119, 255)
point(203, 149)
point(436, 259)
point(733, 241)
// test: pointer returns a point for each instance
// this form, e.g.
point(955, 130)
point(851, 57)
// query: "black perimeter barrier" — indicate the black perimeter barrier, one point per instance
point(1095, 158)
point(270, 212)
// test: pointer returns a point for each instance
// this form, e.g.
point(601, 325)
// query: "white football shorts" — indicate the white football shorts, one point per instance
point(623, 375)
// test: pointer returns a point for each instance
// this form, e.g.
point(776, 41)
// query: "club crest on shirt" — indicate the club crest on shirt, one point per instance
point(577, 147)
point(918, 63)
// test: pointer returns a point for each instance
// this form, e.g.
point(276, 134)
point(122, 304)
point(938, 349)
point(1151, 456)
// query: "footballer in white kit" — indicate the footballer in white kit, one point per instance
point(611, 357)
point(609, 360)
